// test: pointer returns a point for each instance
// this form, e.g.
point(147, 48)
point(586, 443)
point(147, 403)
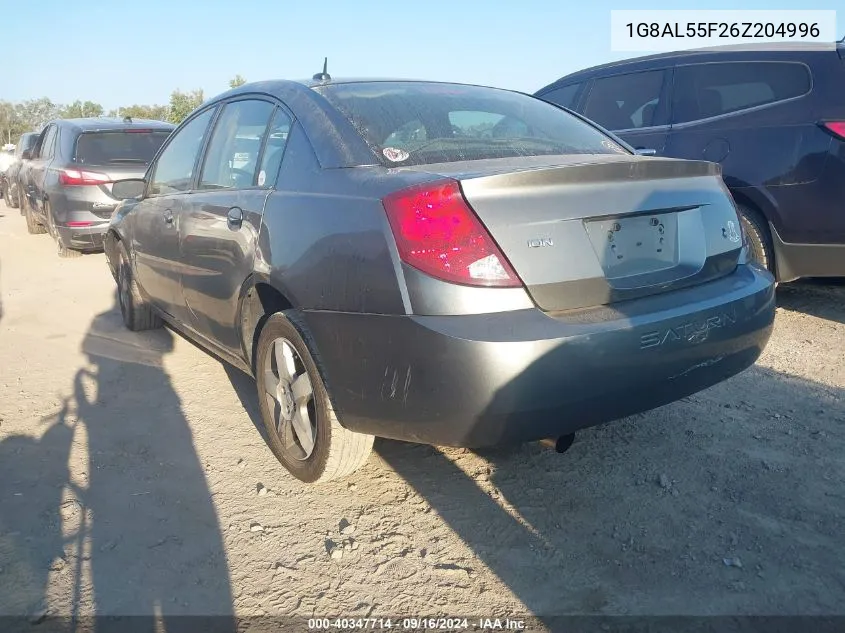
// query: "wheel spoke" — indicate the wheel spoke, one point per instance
point(301, 388)
point(284, 361)
point(302, 427)
point(271, 385)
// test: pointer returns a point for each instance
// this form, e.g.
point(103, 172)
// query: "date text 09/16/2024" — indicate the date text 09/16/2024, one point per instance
point(681, 30)
point(417, 624)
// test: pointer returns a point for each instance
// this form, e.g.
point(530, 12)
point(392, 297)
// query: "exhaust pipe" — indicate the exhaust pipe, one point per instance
point(564, 442)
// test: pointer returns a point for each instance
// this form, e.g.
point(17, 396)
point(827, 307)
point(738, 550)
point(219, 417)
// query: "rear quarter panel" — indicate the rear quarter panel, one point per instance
point(324, 240)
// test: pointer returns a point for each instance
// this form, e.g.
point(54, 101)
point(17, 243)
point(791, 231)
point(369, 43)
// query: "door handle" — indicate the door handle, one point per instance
point(168, 217)
point(235, 218)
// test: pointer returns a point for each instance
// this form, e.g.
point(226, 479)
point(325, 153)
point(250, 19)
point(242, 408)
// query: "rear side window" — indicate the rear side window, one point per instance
point(624, 102)
point(119, 147)
point(707, 90)
point(563, 96)
point(418, 123)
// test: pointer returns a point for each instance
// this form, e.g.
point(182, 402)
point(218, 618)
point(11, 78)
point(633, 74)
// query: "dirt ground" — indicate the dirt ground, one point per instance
point(134, 480)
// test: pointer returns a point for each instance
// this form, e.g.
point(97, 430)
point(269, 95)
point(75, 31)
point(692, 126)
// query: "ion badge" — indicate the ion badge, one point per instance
point(262, 178)
point(395, 154)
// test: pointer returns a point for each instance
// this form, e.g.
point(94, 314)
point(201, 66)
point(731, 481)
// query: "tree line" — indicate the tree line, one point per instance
point(34, 114)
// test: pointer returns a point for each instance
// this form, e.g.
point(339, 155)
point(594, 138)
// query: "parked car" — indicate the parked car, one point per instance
point(9, 179)
point(7, 157)
point(380, 275)
point(772, 115)
point(66, 187)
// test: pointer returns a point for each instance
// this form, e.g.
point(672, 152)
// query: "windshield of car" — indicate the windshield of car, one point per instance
point(119, 146)
point(418, 123)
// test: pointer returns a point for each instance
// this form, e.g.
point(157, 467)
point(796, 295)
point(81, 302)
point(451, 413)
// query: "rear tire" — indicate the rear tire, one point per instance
point(11, 199)
point(335, 451)
point(61, 250)
point(760, 247)
point(33, 226)
point(137, 313)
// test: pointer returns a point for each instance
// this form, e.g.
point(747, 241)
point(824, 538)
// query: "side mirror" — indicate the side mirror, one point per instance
point(26, 154)
point(643, 151)
point(129, 188)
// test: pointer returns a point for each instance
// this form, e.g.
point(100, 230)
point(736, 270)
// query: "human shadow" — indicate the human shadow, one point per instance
point(145, 546)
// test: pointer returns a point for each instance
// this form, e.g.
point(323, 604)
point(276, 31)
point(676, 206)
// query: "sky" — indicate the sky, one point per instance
point(128, 52)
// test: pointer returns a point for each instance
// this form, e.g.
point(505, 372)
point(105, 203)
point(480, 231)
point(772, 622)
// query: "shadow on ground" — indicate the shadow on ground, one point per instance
point(633, 519)
point(822, 298)
point(137, 533)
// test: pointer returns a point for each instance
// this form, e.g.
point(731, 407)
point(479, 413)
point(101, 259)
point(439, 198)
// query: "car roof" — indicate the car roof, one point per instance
point(109, 124)
point(765, 51)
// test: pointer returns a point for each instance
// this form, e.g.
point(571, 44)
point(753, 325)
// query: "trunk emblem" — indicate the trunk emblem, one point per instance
point(540, 242)
point(692, 333)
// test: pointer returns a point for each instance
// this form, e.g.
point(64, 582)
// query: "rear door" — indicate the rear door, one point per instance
point(221, 219)
point(635, 106)
point(155, 230)
point(38, 169)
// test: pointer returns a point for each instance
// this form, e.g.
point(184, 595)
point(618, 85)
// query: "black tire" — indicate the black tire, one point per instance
point(337, 452)
point(61, 250)
point(11, 200)
point(759, 239)
point(137, 313)
point(33, 226)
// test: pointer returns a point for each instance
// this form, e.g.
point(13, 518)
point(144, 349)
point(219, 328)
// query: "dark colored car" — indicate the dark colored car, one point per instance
point(433, 262)
point(772, 116)
point(9, 179)
point(66, 187)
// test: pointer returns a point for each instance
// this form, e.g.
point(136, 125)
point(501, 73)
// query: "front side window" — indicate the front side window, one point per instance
point(49, 143)
point(707, 90)
point(624, 102)
point(174, 169)
point(231, 161)
point(420, 123)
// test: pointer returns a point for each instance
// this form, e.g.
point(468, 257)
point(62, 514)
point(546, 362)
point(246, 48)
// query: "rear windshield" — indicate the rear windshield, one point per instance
point(119, 147)
point(417, 123)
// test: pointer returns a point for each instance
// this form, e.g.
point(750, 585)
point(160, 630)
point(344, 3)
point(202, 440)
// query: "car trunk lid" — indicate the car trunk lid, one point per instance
point(583, 231)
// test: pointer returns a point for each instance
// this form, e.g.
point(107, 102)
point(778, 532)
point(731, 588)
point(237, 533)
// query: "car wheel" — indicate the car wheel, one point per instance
point(137, 313)
point(33, 226)
point(11, 197)
point(759, 240)
point(62, 250)
point(302, 427)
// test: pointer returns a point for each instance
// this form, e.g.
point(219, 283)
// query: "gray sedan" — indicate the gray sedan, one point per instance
point(440, 263)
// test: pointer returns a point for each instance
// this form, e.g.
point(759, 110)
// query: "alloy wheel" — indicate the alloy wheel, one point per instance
point(290, 399)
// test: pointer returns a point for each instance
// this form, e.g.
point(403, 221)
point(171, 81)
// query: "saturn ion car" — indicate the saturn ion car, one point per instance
point(438, 263)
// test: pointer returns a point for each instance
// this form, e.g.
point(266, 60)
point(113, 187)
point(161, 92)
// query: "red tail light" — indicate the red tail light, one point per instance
point(77, 177)
point(437, 233)
point(79, 223)
point(837, 128)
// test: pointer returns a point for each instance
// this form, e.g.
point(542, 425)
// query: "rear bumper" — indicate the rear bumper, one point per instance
point(524, 375)
point(88, 238)
point(795, 261)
